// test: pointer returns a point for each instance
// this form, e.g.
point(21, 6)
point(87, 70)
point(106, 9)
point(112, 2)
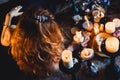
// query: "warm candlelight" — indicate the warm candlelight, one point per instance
point(87, 24)
point(96, 15)
point(112, 44)
point(78, 38)
point(99, 40)
point(110, 27)
point(67, 59)
point(74, 29)
point(87, 53)
point(101, 28)
point(87, 21)
point(96, 28)
point(117, 22)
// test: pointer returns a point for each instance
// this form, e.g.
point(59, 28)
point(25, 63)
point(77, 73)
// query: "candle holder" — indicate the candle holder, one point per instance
point(111, 55)
point(72, 70)
point(87, 54)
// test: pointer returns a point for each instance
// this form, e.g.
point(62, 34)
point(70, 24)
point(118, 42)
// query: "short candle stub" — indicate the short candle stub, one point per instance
point(67, 59)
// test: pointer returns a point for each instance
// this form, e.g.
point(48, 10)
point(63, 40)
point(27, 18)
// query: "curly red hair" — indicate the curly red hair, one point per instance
point(36, 45)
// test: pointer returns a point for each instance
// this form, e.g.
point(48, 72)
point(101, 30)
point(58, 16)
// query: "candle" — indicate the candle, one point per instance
point(102, 14)
point(87, 53)
point(96, 28)
point(78, 38)
point(87, 24)
point(99, 40)
point(87, 21)
point(101, 28)
point(116, 22)
point(110, 27)
point(112, 44)
point(96, 15)
point(67, 59)
point(74, 29)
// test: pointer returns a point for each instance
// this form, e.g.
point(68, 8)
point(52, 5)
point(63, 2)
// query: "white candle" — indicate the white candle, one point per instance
point(74, 29)
point(101, 28)
point(67, 59)
point(110, 27)
point(99, 40)
point(117, 22)
point(87, 53)
point(78, 38)
point(96, 15)
point(87, 21)
point(112, 44)
point(96, 28)
point(87, 24)
point(88, 27)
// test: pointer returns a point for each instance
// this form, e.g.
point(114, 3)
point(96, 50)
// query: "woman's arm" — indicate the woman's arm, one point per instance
point(7, 27)
point(6, 34)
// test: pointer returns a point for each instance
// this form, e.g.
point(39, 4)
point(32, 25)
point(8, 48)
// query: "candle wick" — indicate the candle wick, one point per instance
point(88, 24)
point(66, 57)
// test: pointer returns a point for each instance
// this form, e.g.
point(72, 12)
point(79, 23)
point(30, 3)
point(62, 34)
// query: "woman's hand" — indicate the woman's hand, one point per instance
point(8, 28)
point(15, 11)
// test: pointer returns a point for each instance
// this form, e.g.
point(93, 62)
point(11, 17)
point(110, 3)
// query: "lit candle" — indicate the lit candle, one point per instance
point(67, 59)
point(99, 40)
point(87, 24)
point(102, 14)
point(74, 29)
point(117, 22)
point(96, 16)
point(96, 28)
point(110, 27)
point(101, 28)
point(78, 38)
point(87, 53)
point(87, 21)
point(112, 44)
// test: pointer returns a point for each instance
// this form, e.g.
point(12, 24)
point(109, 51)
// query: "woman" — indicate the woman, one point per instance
point(36, 42)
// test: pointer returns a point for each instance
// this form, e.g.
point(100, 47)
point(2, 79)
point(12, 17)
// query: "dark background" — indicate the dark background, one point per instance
point(8, 68)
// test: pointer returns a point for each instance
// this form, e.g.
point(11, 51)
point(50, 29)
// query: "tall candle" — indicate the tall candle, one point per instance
point(96, 28)
point(99, 40)
point(87, 21)
point(101, 28)
point(110, 27)
point(67, 59)
point(87, 24)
